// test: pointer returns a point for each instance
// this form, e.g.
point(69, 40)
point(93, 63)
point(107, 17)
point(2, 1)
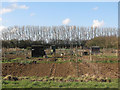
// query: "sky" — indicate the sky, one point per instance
point(87, 14)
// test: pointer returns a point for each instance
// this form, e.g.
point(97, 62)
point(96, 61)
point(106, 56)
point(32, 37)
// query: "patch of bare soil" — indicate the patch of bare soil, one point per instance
point(60, 69)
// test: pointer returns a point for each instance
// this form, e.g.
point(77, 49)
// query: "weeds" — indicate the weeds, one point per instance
point(105, 61)
point(55, 82)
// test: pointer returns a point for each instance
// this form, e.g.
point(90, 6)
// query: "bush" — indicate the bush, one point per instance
point(103, 42)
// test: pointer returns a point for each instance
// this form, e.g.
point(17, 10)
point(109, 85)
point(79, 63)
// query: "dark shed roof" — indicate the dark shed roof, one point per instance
point(95, 47)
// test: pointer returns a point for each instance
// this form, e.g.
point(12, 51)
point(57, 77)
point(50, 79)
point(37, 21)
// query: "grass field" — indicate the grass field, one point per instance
point(53, 84)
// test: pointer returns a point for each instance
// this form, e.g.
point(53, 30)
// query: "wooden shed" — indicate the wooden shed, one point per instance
point(38, 51)
point(95, 49)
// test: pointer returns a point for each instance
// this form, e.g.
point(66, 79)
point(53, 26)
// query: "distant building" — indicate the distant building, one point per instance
point(95, 49)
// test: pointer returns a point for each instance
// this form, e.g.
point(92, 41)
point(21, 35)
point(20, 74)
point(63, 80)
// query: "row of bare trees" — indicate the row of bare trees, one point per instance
point(56, 33)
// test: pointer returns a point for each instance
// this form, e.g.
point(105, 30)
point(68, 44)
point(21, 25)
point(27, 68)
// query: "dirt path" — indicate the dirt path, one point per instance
point(53, 70)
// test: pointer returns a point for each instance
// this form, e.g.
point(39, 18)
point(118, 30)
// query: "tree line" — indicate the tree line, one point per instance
point(25, 36)
point(103, 42)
